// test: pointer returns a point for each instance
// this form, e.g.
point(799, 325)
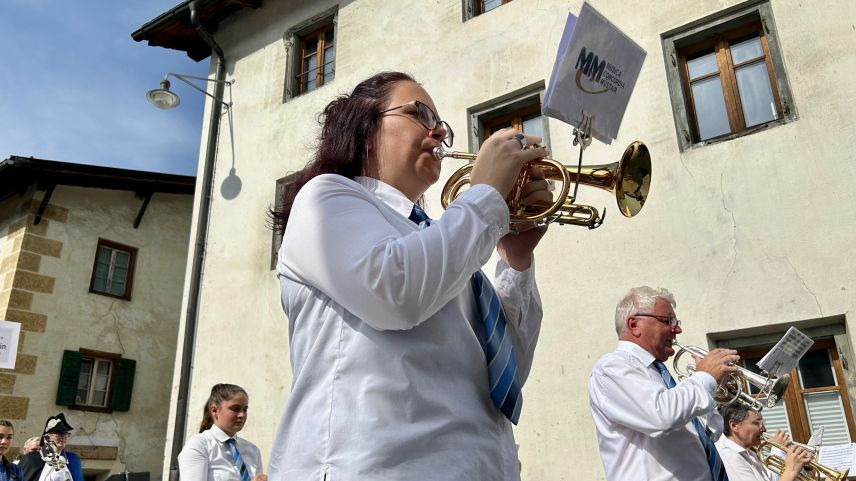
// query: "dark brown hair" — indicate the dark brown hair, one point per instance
point(7, 465)
point(346, 124)
point(219, 394)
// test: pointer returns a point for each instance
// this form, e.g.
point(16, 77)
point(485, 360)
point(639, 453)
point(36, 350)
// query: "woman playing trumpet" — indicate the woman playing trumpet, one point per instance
point(388, 348)
point(744, 428)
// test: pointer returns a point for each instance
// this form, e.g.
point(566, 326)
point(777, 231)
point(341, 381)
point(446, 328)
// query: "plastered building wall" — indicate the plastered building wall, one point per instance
point(50, 277)
point(747, 233)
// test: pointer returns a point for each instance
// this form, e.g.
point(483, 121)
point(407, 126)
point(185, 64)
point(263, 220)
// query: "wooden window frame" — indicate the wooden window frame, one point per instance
point(720, 44)
point(681, 40)
point(98, 356)
point(129, 281)
point(120, 386)
point(276, 239)
point(793, 397)
point(321, 45)
point(515, 118)
point(474, 8)
point(481, 9)
point(294, 39)
point(483, 117)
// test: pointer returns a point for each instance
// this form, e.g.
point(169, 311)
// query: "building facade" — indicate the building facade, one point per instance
point(92, 268)
point(745, 107)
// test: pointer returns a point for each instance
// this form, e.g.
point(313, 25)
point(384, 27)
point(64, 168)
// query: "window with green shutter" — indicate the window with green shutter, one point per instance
point(113, 271)
point(96, 381)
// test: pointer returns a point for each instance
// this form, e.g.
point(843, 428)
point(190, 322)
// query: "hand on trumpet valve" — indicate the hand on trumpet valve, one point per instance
point(795, 459)
point(719, 363)
point(516, 247)
point(502, 157)
point(780, 437)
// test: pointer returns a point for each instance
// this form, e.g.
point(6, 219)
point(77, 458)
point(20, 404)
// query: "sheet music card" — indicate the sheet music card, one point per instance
point(596, 68)
point(786, 354)
point(839, 456)
point(9, 332)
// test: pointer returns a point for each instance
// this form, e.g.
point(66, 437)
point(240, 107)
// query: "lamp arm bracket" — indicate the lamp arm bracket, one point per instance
point(184, 77)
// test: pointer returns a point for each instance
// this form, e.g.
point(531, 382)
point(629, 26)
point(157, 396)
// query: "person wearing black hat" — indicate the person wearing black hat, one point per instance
point(55, 434)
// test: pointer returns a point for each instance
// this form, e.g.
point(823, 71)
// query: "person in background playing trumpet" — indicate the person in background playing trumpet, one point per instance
point(389, 345)
point(649, 427)
point(743, 430)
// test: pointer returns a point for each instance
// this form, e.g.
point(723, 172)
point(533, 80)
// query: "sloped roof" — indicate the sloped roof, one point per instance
point(172, 29)
point(17, 173)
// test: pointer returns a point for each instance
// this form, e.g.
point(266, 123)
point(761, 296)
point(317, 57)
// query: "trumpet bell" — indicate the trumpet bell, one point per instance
point(629, 180)
point(633, 179)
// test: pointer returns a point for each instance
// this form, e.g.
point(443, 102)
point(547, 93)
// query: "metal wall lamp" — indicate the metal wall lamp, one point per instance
point(164, 98)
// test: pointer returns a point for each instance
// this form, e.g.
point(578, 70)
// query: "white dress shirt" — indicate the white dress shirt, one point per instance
point(389, 373)
point(741, 464)
point(207, 457)
point(644, 429)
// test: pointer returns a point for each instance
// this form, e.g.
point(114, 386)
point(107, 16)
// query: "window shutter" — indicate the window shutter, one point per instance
point(825, 409)
point(69, 374)
point(123, 384)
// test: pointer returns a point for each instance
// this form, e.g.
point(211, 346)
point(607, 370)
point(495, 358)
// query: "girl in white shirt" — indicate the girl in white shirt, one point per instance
point(217, 453)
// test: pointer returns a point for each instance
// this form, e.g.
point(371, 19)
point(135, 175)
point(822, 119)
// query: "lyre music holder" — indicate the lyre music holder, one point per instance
point(582, 137)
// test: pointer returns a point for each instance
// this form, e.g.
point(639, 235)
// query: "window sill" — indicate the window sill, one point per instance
point(114, 296)
point(92, 409)
point(752, 130)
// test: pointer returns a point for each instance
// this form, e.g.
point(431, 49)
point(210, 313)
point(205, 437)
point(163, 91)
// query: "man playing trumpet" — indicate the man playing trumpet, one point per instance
point(649, 427)
point(743, 430)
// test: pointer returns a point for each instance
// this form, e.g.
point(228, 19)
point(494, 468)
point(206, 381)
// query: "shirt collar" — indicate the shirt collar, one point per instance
point(637, 351)
point(219, 435)
point(387, 194)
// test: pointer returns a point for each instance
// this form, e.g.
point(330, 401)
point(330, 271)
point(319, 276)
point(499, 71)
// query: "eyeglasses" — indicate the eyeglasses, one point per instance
point(427, 118)
point(673, 322)
point(59, 435)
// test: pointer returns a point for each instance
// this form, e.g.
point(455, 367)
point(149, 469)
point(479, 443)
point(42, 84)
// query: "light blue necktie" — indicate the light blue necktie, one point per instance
point(237, 461)
point(501, 363)
point(717, 470)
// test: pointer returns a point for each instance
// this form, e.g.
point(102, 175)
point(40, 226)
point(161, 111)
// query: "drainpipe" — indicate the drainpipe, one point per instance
point(192, 313)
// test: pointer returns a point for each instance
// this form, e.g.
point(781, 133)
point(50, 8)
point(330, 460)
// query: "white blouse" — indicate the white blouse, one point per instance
point(389, 373)
point(207, 457)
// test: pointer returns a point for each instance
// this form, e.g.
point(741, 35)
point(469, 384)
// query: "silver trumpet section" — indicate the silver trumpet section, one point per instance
point(733, 388)
point(54, 460)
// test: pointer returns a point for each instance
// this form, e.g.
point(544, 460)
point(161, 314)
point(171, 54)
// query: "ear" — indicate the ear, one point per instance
point(212, 409)
point(633, 326)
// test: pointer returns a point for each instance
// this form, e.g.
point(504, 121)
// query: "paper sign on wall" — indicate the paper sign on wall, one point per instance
point(9, 332)
point(596, 68)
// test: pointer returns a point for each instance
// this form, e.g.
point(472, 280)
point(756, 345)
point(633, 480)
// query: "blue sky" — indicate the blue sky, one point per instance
point(74, 82)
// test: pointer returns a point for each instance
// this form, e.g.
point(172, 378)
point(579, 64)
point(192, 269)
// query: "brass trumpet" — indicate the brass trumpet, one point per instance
point(812, 471)
point(629, 180)
point(732, 390)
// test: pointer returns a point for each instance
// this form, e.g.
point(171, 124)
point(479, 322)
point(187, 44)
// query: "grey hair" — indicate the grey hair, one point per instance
point(638, 299)
point(734, 412)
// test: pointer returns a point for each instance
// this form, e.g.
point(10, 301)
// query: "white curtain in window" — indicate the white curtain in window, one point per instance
point(825, 409)
point(776, 418)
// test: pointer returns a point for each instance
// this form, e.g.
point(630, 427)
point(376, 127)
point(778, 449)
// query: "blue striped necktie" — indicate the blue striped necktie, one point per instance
point(717, 470)
point(237, 461)
point(503, 380)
